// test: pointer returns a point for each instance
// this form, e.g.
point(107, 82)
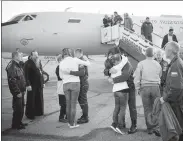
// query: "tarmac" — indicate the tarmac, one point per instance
point(101, 106)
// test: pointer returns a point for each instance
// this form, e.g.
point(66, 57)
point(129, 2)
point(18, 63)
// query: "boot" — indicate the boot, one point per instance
point(133, 128)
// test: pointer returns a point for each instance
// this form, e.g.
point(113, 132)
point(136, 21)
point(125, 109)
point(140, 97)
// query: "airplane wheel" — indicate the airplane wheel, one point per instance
point(45, 77)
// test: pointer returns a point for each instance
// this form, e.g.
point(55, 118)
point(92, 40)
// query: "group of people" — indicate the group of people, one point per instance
point(25, 78)
point(160, 85)
point(146, 28)
point(117, 19)
point(72, 86)
point(154, 79)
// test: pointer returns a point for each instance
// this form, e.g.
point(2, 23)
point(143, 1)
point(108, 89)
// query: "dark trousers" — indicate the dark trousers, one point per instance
point(149, 94)
point(71, 91)
point(62, 103)
point(179, 114)
point(82, 99)
point(132, 104)
point(18, 111)
point(121, 100)
point(149, 37)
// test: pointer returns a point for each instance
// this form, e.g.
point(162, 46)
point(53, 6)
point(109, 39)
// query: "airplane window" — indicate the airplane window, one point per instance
point(34, 16)
point(27, 18)
point(74, 21)
point(17, 19)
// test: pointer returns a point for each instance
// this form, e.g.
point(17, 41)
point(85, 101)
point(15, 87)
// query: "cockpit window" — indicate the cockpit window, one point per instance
point(71, 20)
point(34, 16)
point(17, 19)
point(27, 18)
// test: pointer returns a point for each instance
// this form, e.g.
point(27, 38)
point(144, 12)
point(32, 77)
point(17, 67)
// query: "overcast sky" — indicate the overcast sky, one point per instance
point(138, 8)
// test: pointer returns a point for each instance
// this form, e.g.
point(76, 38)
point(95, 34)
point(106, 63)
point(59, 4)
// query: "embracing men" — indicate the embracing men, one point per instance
point(126, 76)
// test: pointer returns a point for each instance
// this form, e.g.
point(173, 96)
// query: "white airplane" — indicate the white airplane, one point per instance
point(50, 32)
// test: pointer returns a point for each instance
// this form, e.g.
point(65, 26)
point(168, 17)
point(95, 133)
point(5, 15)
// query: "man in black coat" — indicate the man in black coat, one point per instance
point(168, 38)
point(147, 29)
point(35, 83)
point(127, 75)
point(17, 86)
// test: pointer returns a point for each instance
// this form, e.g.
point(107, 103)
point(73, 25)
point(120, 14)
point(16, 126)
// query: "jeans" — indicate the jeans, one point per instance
point(83, 99)
point(18, 111)
point(62, 103)
point(121, 100)
point(132, 104)
point(149, 94)
point(71, 91)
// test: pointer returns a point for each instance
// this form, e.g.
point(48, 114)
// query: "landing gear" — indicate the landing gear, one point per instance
point(45, 77)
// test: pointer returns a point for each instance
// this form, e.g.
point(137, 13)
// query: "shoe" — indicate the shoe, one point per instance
point(24, 124)
point(63, 120)
point(31, 118)
point(150, 132)
point(113, 127)
point(157, 133)
point(74, 126)
point(19, 127)
point(120, 130)
point(133, 128)
point(83, 120)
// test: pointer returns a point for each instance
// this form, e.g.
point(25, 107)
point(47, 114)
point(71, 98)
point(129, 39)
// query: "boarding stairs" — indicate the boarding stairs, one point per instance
point(130, 42)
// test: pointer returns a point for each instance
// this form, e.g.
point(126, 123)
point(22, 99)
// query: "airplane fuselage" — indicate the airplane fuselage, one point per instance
point(50, 32)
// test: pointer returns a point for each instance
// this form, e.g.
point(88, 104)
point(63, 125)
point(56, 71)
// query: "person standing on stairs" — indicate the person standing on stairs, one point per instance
point(128, 23)
point(147, 29)
point(168, 38)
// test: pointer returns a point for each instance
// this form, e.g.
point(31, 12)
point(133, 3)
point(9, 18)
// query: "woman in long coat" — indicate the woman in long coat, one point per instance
point(35, 83)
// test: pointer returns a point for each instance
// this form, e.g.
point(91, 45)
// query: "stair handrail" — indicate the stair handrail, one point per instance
point(152, 32)
point(140, 36)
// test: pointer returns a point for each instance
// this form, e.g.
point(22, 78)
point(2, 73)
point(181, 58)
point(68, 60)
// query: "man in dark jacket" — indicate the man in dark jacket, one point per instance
point(127, 75)
point(106, 21)
point(35, 83)
point(168, 38)
point(147, 29)
point(173, 93)
point(164, 66)
point(17, 86)
point(117, 18)
point(84, 86)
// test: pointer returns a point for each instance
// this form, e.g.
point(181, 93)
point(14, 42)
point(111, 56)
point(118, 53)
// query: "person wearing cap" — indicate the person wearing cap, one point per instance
point(169, 37)
point(147, 29)
point(71, 83)
point(173, 92)
point(147, 78)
